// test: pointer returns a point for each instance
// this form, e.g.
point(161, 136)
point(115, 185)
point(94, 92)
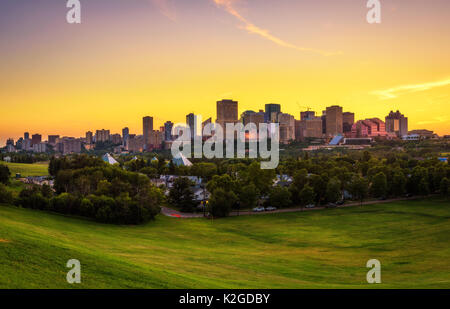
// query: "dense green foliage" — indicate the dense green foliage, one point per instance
point(181, 195)
point(4, 174)
point(86, 186)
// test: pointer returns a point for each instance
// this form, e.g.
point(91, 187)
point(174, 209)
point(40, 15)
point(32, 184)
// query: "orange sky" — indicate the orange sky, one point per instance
point(129, 59)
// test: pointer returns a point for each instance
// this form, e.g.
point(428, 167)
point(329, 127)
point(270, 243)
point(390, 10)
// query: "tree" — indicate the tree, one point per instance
point(151, 172)
point(221, 202)
point(223, 181)
point(307, 195)
point(398, 185)
point(379, 185)
point(333, 192)
point(424, 188)
point(359, 188)
point(181, 195)
point(445, 186)
point(5, 195)
point(248, 196)
point(4, 174)
point(279, 197)
point(262, 179)
point(319, 186)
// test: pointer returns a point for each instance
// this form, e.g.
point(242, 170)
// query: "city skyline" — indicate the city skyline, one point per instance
point(170, 58)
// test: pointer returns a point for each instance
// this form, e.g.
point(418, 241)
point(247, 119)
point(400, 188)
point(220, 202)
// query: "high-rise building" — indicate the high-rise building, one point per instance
point(168, 126)
point(227, 112)
point(287, 127)
point(397, 123)
point(116, 139)
point(253, 117)
point(348, 119)
point(89, 138)
point(52, 139)
point(71, 145)
point(369, 128)
point(308, 128)
point(26, 135)
point(125, 135)
point(102, 136)
point(307, 115)
point(135, 143)
point(147, 131)
point(334, 120)
point(36, 139)
point(191, 121)
point(10, 141)
point(272, 111)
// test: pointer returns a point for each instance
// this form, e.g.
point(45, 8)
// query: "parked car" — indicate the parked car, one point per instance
point(258, 209)
point(270, 208)
point(340, 202)
point(331, 205)
point(310, 206)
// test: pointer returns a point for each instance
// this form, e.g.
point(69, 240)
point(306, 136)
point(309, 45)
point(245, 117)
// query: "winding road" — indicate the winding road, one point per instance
point(169, 212)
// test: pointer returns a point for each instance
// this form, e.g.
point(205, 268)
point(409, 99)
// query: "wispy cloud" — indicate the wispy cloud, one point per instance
point(228, 5)
point(395, 92)
point(167, 8)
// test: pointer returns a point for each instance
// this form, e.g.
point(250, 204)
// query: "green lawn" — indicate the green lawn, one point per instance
point(36, 169)
point(315, 249)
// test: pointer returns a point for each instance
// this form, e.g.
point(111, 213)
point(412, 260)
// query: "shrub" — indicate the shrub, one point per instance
point(32, 198)
point(4, 174)
point(279, 197)
point(5, 194)
point(221, 202)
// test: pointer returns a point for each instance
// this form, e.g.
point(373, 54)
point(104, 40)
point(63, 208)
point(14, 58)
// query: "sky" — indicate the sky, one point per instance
point(168, 58)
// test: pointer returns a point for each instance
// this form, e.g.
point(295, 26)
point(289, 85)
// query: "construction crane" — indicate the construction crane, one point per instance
point(308, 109)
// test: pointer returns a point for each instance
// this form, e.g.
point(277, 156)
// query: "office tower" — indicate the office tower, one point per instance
point(287, 127)
point(272, 111)
point(36, 139)
point(307, 115)
point(125, 135)
point(40, 147)
point(308, 128)
point(397, 123)
point(348, 119)
point(334, 120)
point(52, 139)
point(89, 137)
point(373, 127)
point(135, 143)
point(10, 141)
point(227, 112)
point(102, 136)
point(253, 117)
point(116, 139)
point(324, 122)
point(191, 121)
point(26, 135)
point(147, 131)
point(168, 126)
point(70, 145)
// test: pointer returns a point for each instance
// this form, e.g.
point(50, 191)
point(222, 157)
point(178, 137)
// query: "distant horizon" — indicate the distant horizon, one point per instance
point(157, 125)
point(168, 58)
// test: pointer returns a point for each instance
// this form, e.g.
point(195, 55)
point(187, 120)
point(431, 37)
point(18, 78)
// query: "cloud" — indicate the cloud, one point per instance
point(228, 6)
point(395, 92)
point(166, 7)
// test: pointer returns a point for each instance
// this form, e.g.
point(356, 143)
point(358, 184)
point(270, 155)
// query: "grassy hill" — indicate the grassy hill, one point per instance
point(317, 249)
point(36, 169)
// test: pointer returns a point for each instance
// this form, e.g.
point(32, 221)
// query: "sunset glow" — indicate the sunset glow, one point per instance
point(129, 59)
